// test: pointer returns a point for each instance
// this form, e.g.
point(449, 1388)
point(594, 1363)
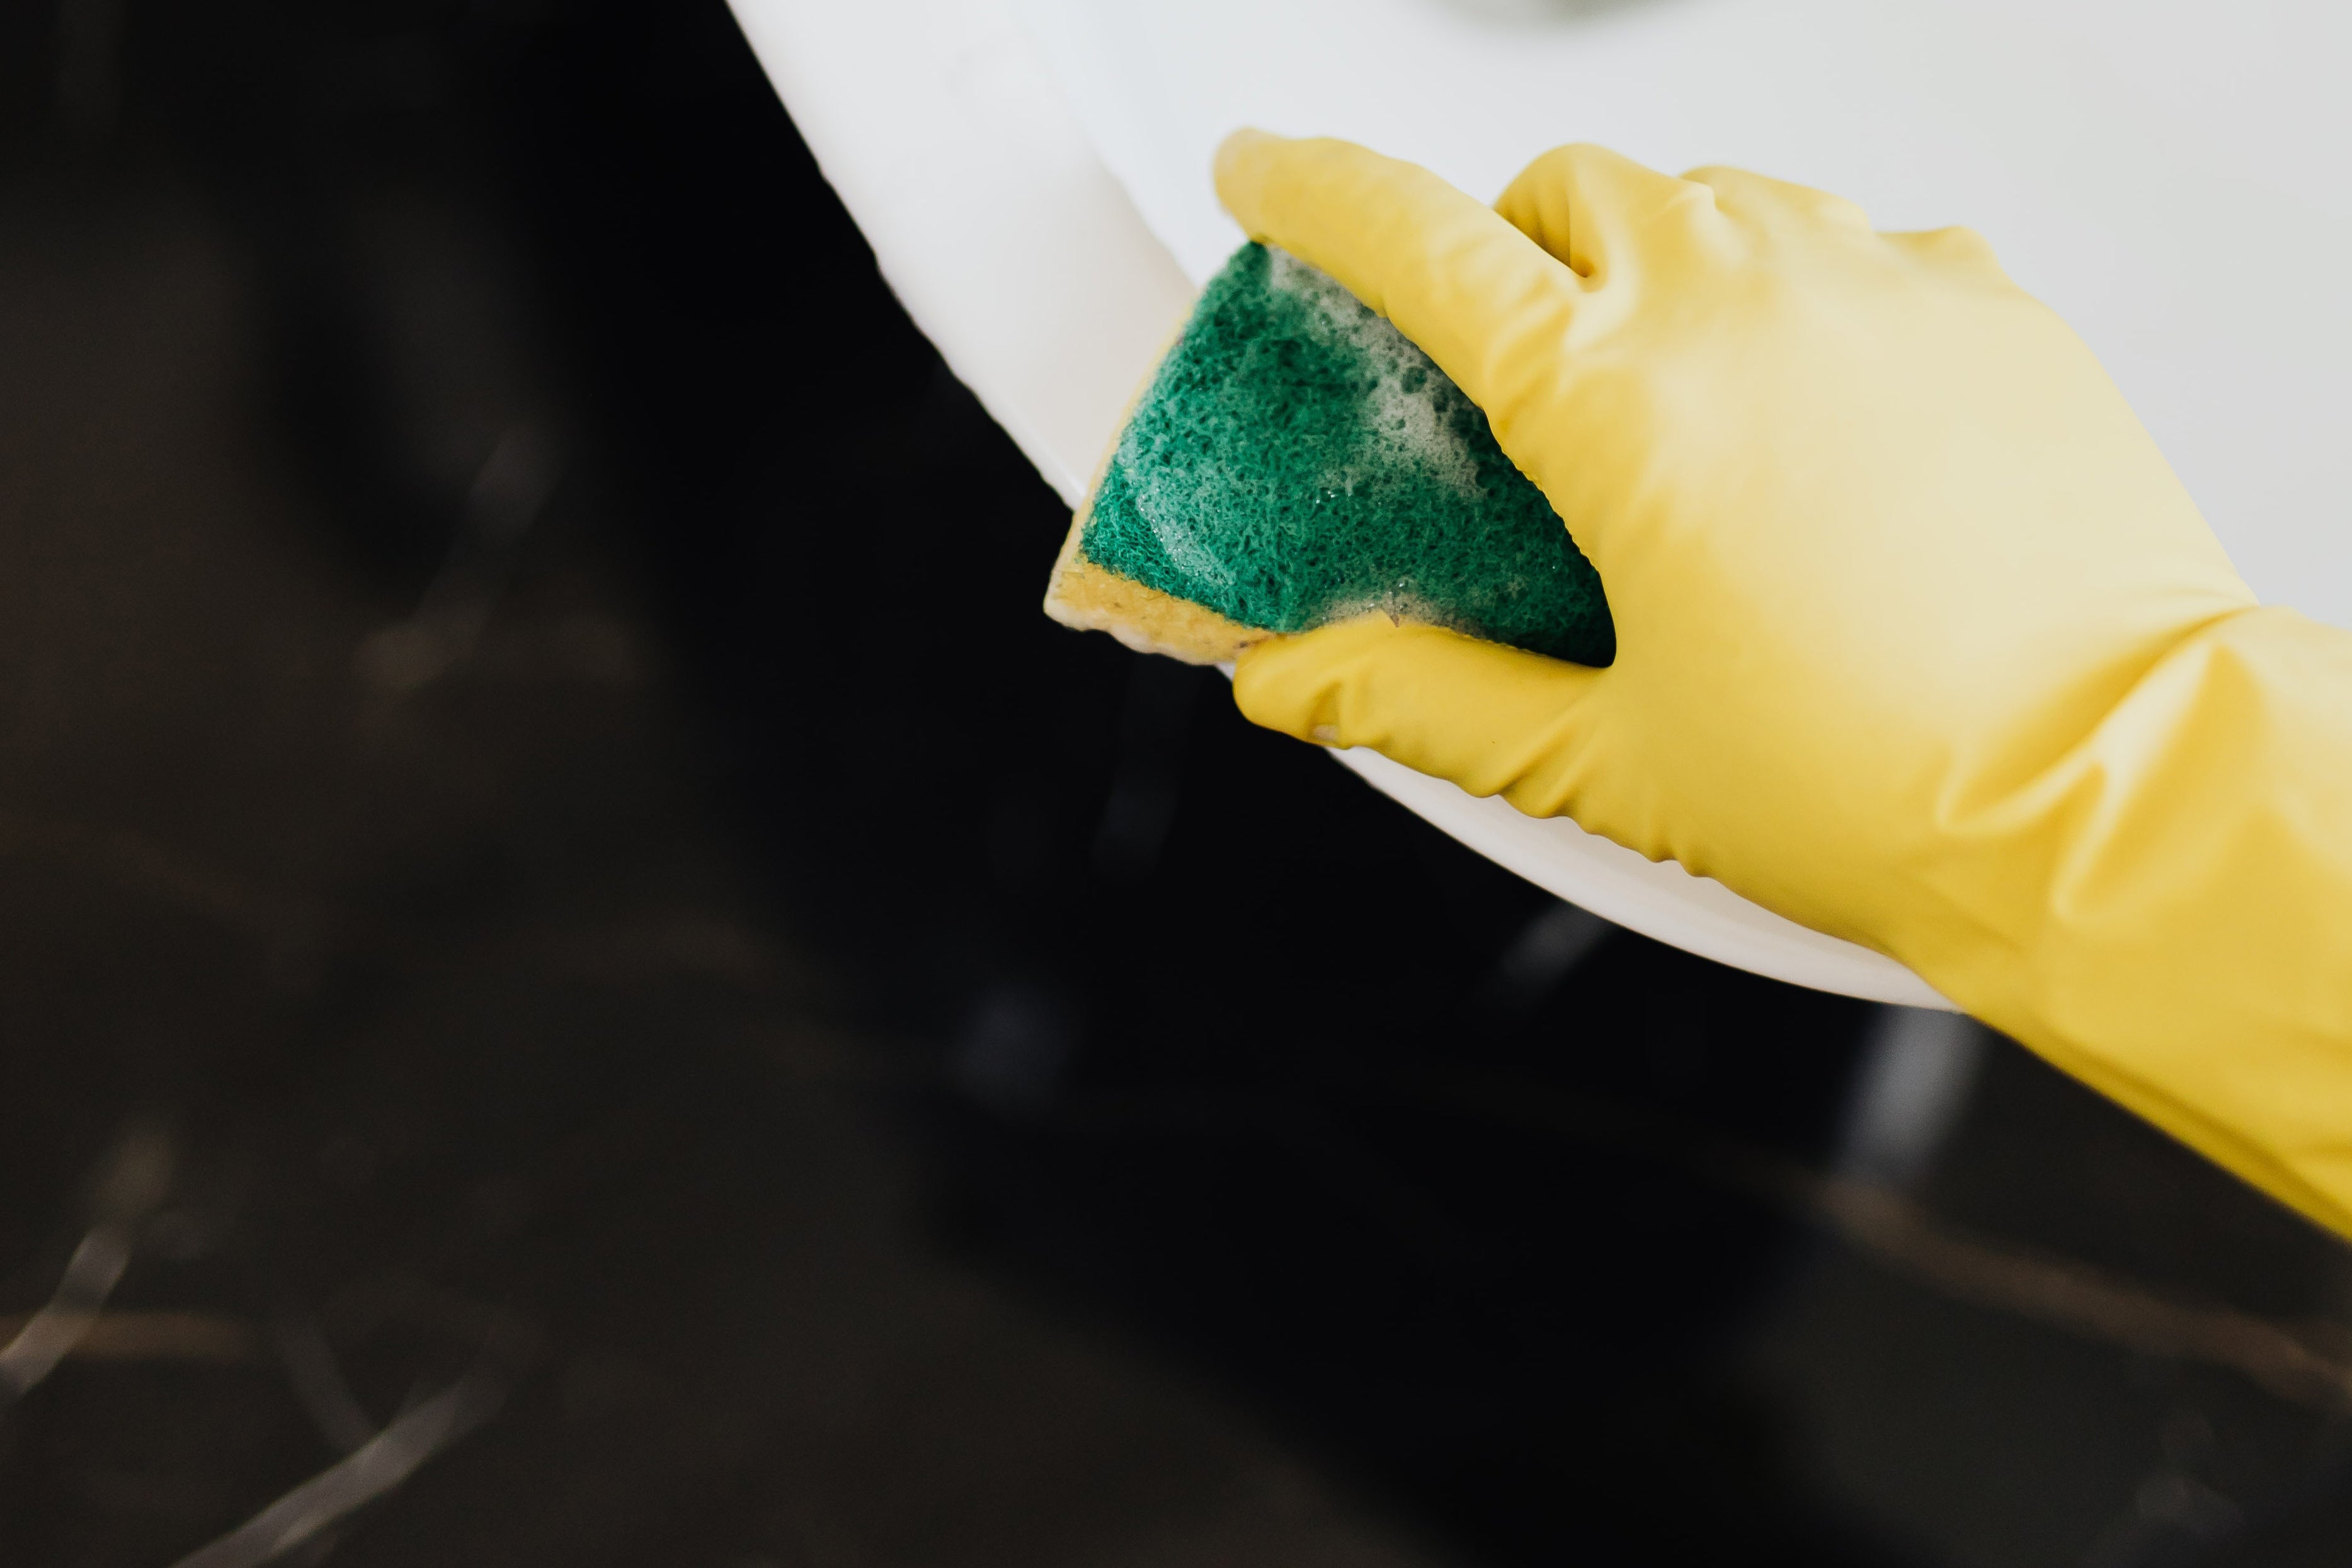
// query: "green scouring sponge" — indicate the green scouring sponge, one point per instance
point(1294, 461)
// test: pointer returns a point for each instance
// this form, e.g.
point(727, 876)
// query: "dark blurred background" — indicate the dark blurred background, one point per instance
point(584, 979)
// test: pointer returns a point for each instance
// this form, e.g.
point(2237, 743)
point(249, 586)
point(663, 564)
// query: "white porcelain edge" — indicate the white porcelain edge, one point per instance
point(1004, 237)
point(1695, 914)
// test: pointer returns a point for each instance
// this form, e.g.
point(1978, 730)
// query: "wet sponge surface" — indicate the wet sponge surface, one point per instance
point(1296, 460)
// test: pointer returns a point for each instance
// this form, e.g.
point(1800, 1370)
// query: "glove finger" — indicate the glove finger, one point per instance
point(1953, 250)
point(1452, 275)
point(1495, 720)
point(1770, 203)
point(1594, 210)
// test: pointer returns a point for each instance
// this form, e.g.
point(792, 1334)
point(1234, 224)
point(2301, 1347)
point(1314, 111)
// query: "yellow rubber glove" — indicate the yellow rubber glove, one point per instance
point(1919, 641)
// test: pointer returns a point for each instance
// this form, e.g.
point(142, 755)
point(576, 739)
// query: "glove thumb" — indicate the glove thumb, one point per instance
point(1495, 720)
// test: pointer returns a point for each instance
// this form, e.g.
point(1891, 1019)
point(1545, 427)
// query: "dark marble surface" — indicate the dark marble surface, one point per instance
point(565, 907)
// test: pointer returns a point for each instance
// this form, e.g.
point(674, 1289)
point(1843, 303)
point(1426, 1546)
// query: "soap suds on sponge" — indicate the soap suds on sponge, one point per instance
point(1294, 460)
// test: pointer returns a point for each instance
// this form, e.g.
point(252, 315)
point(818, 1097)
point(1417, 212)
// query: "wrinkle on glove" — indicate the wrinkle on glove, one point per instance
point(1920, 642)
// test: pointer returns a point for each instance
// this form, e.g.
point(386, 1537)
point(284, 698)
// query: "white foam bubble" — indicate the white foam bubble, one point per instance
point(1172, 519)
point(1409, 422)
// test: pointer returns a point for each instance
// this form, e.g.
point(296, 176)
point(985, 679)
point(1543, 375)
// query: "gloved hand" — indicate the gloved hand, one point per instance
point(1920, 643)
